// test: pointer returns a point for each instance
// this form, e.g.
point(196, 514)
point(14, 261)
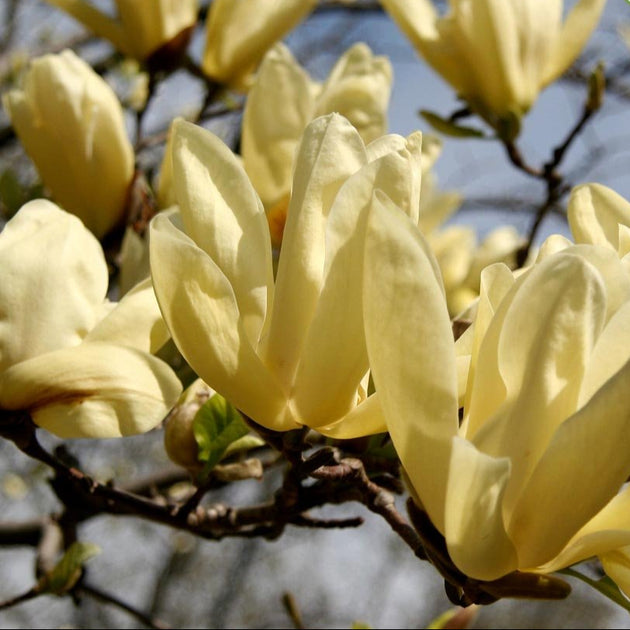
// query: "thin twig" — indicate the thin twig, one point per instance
point(108, 598)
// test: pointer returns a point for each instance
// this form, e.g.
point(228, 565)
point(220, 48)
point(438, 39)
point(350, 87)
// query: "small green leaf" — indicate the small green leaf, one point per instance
point(216, 426)
point(361, 625)
point(245, 443)
point(68, 570)
point(448, 127)
point(454, 618)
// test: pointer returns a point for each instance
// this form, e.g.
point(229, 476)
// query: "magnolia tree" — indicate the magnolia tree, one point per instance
point(295, 308)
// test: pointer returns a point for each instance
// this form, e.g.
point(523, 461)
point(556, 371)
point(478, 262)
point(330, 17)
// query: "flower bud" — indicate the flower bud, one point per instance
point(179, 438)
point(143, 27)
point(71, 125)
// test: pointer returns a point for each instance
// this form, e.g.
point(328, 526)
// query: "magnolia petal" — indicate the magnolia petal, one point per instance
point(71, 124)
point(595, 213)
point(334, 358)
point(577, 28)
point(235, 42)
point(617, 567)
point(54, 282)
point(135, 321)
point(474, 530)
point(610, 353)
point(411, 350)
point(93, 390)
point(607, 531)
point(358, 87)
point(331, 150)
point(134, 260)
point(223, 215)
point(201, 311)
point(542, 365)
point(279, 105)
point(582, 469)
point(552, 245)
point(496, 281)
point(365, 419)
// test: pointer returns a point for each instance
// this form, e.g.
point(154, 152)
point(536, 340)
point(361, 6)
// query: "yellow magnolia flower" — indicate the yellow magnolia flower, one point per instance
point(529, 481)
point(288, 352)
point(142, 26)
point(498, 54)
point(600, 216)
point(80, 365)
point(284, 99)
point(71, 124)
point(239, 33)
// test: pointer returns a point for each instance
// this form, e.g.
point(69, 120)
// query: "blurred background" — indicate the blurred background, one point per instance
point(364, 577)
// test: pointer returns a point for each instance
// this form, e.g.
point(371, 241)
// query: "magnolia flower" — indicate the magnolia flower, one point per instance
point(529, 481)
point(600, 216)
point(498, 54)
point(142, 26)
point(284, 99)
point(71, 124)
point(239, 32)
point(288, 352)
point(78, 364)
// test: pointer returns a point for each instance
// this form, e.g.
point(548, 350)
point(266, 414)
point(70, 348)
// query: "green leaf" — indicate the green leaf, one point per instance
point(246, 443)
point(450, 128)
point(216, 426)
point(68, 570)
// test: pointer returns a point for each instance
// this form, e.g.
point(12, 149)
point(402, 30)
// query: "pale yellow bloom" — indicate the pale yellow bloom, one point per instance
point(284, 99)
point(71, 124)
point(288, 352)
point(80, 365)
point(239, 33)
point(600, 216)
point(141, 26)
point(498, 54)
point(529, 481)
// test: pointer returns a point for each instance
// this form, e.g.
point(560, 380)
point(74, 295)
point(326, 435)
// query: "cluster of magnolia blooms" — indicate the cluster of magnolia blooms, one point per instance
point(290, 276)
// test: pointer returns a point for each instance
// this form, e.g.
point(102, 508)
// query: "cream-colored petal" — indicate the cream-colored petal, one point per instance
point(134, 260)
point(279, 106)
point(135, 321)
point(93, 390)
point(552, 245)
point(547, 335)
point(496, 281)
point(411, 350)
point(331, 150)
point(610, 353)
point(624, 240)
point(608, 530)
point(149, 24)
point(359, 87)
point(475, 532)
point(334, 358)
point(71, 124)
point(201, 311)
point(577, 28)
point(235, 43)
point(223, 215)
point(582, 469)
point(54, 279)
point(365, 419)
point(617, 567)
point(595, 212)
